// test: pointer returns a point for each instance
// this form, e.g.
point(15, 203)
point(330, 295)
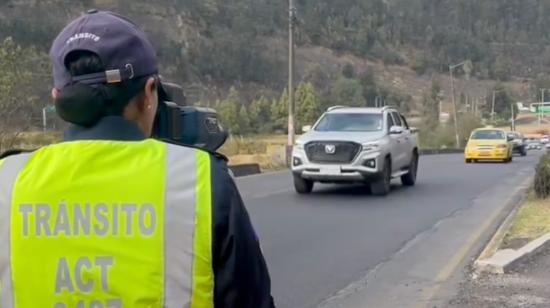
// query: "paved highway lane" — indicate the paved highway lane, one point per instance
point(317, 246)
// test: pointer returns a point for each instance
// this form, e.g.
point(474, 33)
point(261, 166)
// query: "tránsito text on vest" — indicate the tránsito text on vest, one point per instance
point(117, 219)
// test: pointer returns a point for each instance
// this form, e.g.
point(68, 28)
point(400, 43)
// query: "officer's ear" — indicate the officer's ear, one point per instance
point(151, 93)
point(55, 93)
point(148, 98)
point(147, 105)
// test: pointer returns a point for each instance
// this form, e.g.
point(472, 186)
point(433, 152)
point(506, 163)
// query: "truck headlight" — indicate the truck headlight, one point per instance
point(299, 145)
point(371, 146)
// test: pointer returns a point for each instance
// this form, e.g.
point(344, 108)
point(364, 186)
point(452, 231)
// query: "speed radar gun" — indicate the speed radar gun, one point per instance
point(178, 123)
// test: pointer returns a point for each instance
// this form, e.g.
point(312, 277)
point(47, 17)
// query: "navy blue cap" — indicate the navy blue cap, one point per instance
point(122, 47)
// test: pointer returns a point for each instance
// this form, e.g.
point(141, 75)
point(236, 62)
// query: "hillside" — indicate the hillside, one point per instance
point(349, 50)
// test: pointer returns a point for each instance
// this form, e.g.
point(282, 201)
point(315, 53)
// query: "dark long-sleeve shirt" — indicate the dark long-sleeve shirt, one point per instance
point(241, 278)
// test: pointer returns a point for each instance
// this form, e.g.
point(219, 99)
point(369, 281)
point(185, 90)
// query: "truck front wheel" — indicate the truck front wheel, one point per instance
point(301, 185)
point(382, 186)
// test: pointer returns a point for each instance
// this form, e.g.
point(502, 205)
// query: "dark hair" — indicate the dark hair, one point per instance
point(85, 105)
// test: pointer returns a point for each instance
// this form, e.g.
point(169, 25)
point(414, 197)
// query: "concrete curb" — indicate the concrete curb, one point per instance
point(492, 246)
point(492, 260)
point(245, 169)
point(503, 260)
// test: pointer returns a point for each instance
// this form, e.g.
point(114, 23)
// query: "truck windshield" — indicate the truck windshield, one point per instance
point(350, 122)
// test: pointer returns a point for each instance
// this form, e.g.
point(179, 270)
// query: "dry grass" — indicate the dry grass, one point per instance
point(531, 127)
point(266, 161)
point(40, 138)
point(34, 140)
point(268, 151)
point(252, 145)
point(532, 221)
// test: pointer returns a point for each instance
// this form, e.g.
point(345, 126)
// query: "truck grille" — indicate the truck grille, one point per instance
point(327, 152)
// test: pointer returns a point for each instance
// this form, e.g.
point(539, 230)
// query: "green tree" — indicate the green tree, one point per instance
point(430, 129)
point(369, 87)
point(244, 121)
point(541, 84)
point(398, 100)
point(462, 100)
point(23, 71)
point(280, 112)
point(468, 122)
point(501, 69)
point(348, 92)
point(430, 112)
point(435, 96)
point(274, 113)
point(226, 43)
point(504, 103)
point(228, 111)
point(319, 77)
point(420, 64)
point(260, 116)
point(308, 106)
point(348, 71)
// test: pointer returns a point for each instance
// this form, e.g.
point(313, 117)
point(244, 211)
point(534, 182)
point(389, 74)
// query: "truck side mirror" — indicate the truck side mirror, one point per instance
point(396, 130)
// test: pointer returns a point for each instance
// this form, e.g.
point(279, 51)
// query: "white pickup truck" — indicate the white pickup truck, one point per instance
point(351, 145)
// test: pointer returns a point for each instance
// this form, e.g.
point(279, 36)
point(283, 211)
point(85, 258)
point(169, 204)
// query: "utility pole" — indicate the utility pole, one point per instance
point(493, 105)
point(45, 112)
point(493, 109)
point(44, 119)
point(455, 118)
point(541, 115)
point(291, 109)
point(481, 100)
point(513, 119)
point(467, 69)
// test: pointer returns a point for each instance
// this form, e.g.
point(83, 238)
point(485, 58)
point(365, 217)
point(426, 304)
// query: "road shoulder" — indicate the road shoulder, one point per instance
point(516, 273)
point(425, 271)
point(526, 285)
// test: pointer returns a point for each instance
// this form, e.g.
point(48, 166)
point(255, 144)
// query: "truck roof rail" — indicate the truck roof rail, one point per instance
point(340, 107)
point(336, 107)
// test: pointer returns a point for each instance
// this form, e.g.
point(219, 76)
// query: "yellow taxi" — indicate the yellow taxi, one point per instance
point(489, 144)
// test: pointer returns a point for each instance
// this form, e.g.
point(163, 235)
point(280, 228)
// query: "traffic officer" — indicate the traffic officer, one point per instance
point(109, 218)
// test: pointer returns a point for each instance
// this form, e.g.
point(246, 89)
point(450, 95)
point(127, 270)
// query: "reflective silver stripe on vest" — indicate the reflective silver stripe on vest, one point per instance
point(179, 225)
point(8, 175)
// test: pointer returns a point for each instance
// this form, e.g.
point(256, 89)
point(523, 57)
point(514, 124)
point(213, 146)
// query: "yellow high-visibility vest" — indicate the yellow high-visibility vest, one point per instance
point(106, 224)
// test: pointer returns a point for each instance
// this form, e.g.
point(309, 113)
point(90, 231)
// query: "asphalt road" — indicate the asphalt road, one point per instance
point(323, 248)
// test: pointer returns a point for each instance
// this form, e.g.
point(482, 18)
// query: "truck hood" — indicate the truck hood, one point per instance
point(358, 137)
